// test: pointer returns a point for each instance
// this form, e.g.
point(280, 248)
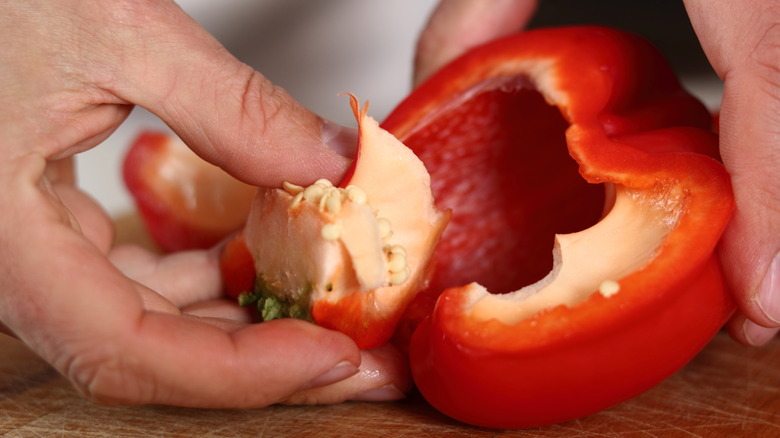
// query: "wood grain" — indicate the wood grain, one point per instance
point(727, 391)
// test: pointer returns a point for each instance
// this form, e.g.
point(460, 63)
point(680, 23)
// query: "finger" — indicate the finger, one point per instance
point(744, 55)
point(96, 331)
point(458, 25)
point(383, 376)
point(184, 278)
point(230, 114)
point(211, 363)
point(92, 219)
point(750, 133)
point(86, 214)
point(748, 332)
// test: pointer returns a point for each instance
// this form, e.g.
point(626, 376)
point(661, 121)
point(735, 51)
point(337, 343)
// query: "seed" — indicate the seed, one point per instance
point(322, 201)
point(331, 231)
point(396, 262)
point(322, 182)
point(296, 201)
point(397, 249)
point(356, 195)
point(385, 228)
point(397, 278)
point(313, 193)
point(609, 288)
point(291, 188)
point(332, 204)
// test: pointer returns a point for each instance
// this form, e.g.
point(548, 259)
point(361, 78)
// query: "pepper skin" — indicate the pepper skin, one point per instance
point(583, 133)
point(184, 201)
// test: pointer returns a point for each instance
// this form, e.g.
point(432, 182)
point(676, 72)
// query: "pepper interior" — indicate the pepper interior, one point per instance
point(498, 158)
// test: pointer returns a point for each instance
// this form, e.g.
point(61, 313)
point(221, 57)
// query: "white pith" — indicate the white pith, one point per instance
point(590, 261)
point(376, 235)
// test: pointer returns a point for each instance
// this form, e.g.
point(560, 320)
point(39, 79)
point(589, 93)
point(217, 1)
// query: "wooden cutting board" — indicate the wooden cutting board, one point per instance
point(727, 391)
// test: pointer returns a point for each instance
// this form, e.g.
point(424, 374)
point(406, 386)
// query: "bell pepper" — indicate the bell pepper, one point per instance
point(587, 198)
point(349, 256)
point(581, 140)
point(184, 201)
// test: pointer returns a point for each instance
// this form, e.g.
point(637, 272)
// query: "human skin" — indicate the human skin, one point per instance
point(742, 42)
point(124, 325)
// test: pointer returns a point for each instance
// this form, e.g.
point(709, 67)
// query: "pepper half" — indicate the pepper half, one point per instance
point(581, 140)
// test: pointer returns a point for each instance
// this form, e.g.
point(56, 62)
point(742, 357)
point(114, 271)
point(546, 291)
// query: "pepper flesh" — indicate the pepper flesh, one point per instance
point(185, 202)
point(496, 129)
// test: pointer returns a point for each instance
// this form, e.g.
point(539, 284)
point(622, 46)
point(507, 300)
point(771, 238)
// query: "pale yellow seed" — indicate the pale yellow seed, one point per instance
point(331, 231)
point(397, 278)
point(323, 183)
point(609, 288)
point(291, 188)
point(397, 249)
point(323, 199)
point(396, 262)
point(333, 204)
point(385, 228)
point(296, 201)
point(356, 195)
point(313, 193)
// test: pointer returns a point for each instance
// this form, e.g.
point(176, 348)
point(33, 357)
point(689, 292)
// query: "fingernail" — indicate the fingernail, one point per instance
point(756, 335)
point(341, 139)
point(341, 371)
point(769, 291)
point(383, 393)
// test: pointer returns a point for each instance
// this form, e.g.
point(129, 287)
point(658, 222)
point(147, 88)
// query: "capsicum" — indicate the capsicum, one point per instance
point(349, 256)
point(581, 140)
point(184, 201)
point(577, 268)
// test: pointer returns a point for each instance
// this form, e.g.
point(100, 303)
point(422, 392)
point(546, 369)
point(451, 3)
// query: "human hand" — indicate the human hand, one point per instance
point(126, 326)
point(741, 40)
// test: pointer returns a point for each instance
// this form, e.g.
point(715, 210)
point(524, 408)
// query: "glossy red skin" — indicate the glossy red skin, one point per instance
point(628, 123)
point(236, 266)
point(182, 210)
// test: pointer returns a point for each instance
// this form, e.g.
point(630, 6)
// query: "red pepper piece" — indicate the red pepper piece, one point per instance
point(521, 138)
point(236, 267)
point(184, 201)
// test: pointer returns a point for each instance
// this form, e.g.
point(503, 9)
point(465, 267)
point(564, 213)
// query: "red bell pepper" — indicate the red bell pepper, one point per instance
point(578, 142)
point(351, 256)
point(184, 201)
point(560, 131)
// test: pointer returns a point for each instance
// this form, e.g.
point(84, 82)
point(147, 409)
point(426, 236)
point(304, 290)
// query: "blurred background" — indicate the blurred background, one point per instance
point(317, 49)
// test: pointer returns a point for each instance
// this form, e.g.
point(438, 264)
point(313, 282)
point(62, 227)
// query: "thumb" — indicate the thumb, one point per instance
point(741, 40)
point(750, 134)
point(228, 113)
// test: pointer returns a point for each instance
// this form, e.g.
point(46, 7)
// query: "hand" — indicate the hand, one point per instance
point(741, 40)
point(456, 26)
point(126, 326)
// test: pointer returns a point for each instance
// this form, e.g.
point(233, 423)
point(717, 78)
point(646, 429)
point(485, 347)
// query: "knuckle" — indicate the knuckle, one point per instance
point(104, 377)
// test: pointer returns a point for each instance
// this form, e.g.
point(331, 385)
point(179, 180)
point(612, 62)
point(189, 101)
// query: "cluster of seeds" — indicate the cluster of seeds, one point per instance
point(330, 200)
